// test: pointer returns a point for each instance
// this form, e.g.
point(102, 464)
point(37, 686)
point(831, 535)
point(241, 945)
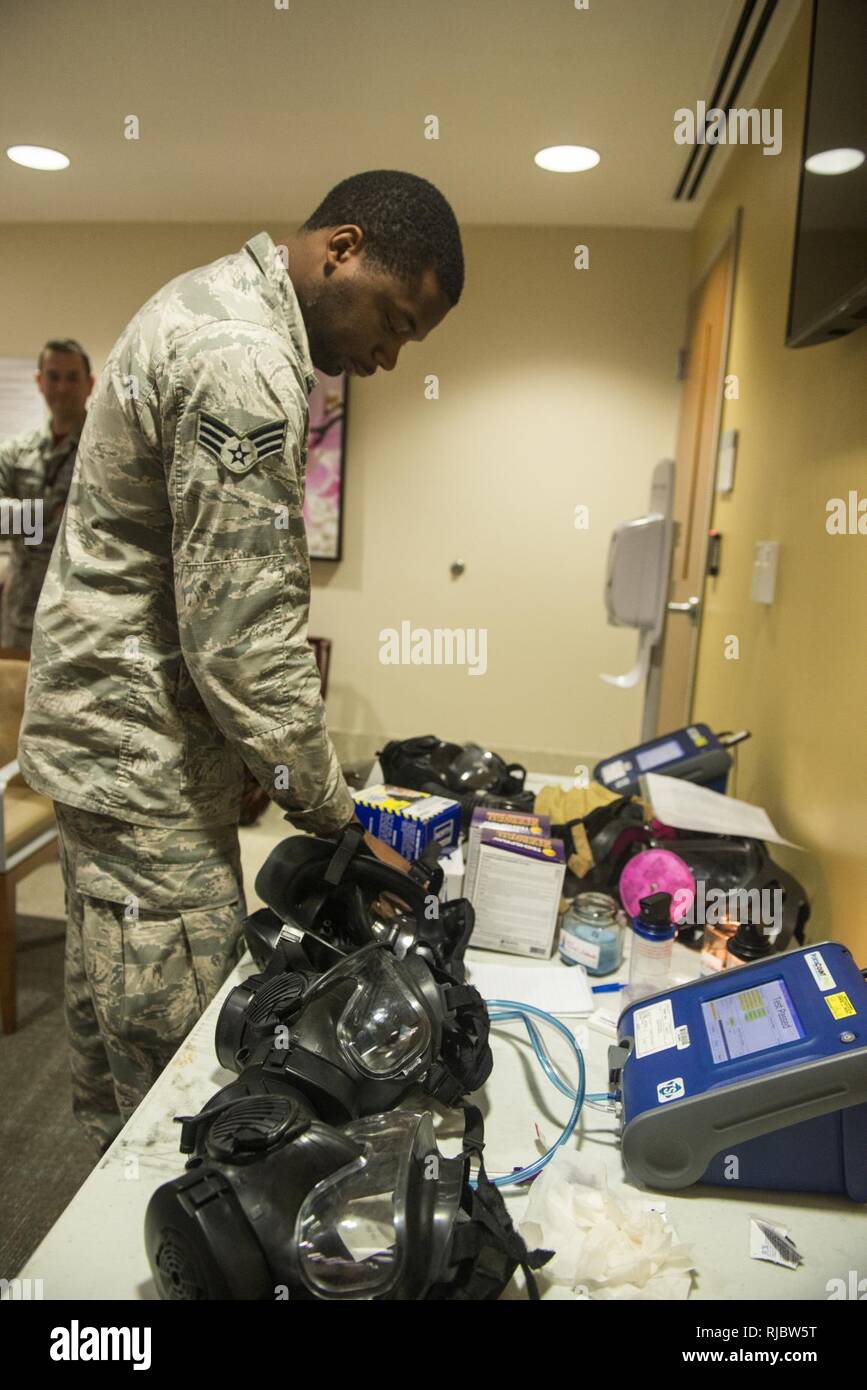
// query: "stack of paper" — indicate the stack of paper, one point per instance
point(688, 807)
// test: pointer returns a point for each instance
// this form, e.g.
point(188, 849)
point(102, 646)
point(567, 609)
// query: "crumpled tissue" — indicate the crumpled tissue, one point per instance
point(607, 1246)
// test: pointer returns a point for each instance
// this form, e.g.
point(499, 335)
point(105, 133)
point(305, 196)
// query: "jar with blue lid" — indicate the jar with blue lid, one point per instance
point(591, 934)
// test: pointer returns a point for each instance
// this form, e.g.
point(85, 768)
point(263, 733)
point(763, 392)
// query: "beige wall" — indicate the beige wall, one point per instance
point(557, 388)
point(801, 680)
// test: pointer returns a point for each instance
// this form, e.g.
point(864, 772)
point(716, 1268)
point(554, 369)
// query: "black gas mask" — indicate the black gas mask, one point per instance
point(355, 1039)
point(470, 774)
point(326, 899)
point(299, 1185)
point(277, 1205)
point(722, 863)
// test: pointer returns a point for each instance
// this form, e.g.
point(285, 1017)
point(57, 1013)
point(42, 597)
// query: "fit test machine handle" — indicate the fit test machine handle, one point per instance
point(753, 1078)
point(695, 753)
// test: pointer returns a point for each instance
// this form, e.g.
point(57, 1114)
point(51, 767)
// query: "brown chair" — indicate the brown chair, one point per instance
point(28, 831)
point(322, 651)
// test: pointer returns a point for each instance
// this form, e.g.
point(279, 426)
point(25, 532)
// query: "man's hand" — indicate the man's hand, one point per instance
point(386, 853)
point(254, 799)
point(387, 905)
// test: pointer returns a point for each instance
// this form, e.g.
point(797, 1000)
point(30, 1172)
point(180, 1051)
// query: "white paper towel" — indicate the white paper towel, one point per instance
point(606, 1246)
point(639, 670)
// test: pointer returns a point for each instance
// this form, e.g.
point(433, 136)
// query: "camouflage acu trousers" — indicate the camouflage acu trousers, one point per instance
point(154, 927)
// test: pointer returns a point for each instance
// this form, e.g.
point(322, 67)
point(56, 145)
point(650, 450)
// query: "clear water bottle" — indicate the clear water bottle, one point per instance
point(653, 933)
point(592, 934)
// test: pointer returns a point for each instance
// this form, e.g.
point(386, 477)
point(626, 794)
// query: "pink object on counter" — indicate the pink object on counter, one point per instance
point(657, 871)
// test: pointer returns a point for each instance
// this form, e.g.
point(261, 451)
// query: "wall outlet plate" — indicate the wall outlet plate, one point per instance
point(765, 560)
point(725, 468)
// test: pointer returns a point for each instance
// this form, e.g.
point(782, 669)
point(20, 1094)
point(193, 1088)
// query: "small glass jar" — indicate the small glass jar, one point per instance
point(591, 934)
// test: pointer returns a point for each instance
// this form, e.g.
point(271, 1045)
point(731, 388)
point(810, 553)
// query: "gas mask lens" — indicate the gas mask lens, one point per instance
point(475, 769)
point(350, 1229)
point(383, 1028)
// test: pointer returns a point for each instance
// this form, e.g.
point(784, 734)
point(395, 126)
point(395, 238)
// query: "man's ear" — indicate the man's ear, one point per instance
point(346, 241)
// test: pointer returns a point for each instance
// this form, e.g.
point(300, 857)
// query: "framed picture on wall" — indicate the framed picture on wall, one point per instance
point(326, 446)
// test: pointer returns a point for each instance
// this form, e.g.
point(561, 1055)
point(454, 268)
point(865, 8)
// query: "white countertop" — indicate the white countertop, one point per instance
point(96, 1248)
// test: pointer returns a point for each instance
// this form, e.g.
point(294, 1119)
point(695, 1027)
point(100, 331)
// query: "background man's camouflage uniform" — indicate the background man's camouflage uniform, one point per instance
point(34, 468)
point(170, 642)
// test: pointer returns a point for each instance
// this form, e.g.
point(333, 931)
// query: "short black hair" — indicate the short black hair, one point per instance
point(65, 345)
point(408, 225)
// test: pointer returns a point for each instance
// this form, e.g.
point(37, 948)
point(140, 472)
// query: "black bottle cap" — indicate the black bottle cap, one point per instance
point(655, 910)
point(749, 943)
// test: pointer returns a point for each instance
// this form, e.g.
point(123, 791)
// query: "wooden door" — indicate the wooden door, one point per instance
point(673, 672)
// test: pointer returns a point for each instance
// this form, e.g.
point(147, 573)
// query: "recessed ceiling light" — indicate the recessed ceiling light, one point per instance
point(834, 161)
point(567, 159)
point(37, 157)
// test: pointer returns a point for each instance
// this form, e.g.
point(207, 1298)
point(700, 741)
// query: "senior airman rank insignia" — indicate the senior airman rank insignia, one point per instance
point(240, 452)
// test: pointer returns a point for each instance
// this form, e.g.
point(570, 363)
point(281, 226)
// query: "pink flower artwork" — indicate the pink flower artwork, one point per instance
point(323, 498)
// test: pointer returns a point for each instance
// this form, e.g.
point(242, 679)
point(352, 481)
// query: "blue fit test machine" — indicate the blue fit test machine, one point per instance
point(753, 1077)
point(694, 753)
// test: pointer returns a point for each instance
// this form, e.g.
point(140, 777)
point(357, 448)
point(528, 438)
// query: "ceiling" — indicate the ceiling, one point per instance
point(250, 111)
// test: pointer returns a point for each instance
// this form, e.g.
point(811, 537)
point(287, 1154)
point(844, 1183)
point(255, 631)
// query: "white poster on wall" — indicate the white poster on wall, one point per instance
point(21, 405)
point(21, 408)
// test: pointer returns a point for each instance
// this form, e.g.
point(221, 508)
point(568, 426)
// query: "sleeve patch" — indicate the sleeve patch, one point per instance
point(236, 451)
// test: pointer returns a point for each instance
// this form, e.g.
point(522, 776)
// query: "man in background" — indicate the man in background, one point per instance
point(36, 470)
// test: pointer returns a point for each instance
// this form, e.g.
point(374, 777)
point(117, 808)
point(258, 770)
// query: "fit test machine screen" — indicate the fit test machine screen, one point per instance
point(756, 1077)
point(751, 1021)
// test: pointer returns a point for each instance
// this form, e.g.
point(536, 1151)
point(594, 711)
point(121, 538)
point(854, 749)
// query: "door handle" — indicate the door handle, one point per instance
point(691, 608)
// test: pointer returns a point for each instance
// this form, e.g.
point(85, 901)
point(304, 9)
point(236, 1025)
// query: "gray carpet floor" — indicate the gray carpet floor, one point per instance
point(45, 1155)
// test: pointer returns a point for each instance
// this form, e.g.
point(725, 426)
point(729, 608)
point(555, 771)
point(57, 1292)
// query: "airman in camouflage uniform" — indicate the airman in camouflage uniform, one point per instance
point(33, 470)
point(171, 640)
point(35, 473)
point(172, 631)
point(170, 645)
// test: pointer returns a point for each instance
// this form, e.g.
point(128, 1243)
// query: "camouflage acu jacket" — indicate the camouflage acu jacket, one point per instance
point(36, 472)
point(171, 636)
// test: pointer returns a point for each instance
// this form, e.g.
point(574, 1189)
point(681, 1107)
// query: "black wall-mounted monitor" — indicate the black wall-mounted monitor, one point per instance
point(828, 296)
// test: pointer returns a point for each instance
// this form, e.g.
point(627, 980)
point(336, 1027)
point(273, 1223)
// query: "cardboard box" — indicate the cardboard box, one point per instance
point(452, 865)
point(524, 822)
point(516, 895)
point(408, 820)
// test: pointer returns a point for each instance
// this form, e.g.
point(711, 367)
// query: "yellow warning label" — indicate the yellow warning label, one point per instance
point(839, 1004)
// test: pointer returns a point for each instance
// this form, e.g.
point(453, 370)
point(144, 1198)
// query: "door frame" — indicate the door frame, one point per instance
point(730, 237)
